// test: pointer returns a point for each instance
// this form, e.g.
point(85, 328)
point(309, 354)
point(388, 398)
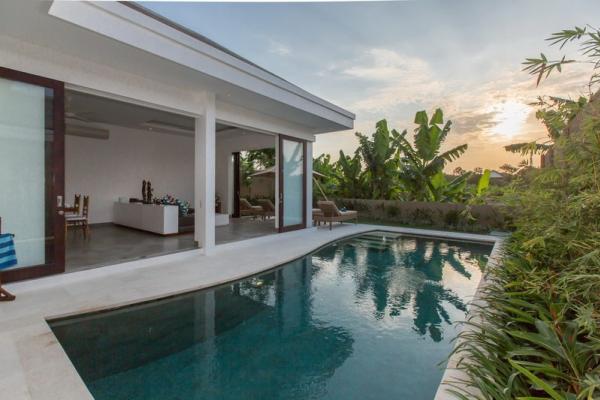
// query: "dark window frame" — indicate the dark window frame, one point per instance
point(54, 182)
point(280, 191)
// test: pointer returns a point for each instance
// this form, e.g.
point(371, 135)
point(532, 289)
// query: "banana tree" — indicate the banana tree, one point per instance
point(378, 155)
point(350, 176)
point(449, 191)
point(327, 184)
point(421, 162)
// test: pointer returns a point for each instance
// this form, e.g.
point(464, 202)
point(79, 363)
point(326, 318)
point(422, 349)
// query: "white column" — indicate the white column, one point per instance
point(204, 177)
point(309, 183)
point(276, 181)
point(230, 187)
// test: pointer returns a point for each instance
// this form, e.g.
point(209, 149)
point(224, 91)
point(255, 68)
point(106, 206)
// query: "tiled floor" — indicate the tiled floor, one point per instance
point(110, 244)
point(244, 228)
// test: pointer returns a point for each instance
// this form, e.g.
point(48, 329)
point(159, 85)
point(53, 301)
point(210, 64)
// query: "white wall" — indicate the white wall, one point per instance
point(309, 184)
point(108, 169)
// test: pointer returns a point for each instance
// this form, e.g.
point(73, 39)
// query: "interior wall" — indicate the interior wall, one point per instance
point(108, 169)
point(229, 142)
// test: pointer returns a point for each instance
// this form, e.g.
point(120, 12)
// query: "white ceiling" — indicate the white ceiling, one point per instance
point(83, 109)
point(89, 108)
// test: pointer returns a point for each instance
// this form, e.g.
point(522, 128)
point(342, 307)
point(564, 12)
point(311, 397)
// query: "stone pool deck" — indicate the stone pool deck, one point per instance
point(34, 366)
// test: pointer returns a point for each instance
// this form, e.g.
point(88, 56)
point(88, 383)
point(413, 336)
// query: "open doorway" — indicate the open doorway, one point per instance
point(245, 184)
point(129, 181)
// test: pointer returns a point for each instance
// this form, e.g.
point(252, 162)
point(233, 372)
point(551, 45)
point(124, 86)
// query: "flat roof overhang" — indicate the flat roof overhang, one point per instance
point(124, 38)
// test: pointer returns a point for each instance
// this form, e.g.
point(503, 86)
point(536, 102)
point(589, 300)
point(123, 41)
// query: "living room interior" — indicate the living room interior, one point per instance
point(123, 159)
point(129, 182)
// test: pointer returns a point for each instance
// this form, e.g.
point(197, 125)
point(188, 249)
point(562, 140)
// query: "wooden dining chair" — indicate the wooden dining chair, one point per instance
point(77, 204)
point(80, 221)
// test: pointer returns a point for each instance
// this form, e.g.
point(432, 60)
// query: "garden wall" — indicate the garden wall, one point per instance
point(447, 216)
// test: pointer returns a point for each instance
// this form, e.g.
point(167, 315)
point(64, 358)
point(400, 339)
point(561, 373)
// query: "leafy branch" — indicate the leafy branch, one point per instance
point(589, 47)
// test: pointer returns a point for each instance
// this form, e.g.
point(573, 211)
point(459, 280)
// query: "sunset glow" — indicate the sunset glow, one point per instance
point(510, 118)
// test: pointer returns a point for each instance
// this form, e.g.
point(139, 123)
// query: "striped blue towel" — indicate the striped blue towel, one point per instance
point(8, 257)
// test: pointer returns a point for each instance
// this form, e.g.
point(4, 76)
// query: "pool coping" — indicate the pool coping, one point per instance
point(33, 364)
point(455, 378)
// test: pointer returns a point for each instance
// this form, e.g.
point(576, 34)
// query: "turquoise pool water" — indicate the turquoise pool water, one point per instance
point(369, 317)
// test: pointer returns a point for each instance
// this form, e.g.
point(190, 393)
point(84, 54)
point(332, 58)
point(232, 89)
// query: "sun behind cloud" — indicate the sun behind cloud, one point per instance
point(509, 119)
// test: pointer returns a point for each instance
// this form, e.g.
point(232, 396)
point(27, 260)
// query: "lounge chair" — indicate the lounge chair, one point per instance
point(267, 206)
point(332, 214)
point(316, 213)
point(247, 209)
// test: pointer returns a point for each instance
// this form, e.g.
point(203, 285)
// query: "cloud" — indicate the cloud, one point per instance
point(469, 121)
point(395, 79)
point(388, 66)
point(279, 48)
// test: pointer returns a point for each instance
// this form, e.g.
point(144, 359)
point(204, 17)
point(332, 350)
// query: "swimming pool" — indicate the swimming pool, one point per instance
point(367, 317)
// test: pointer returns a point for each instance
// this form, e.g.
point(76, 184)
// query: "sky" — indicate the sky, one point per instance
point(391, 59)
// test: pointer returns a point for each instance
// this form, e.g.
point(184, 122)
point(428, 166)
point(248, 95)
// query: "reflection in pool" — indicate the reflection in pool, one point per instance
point(369, 317)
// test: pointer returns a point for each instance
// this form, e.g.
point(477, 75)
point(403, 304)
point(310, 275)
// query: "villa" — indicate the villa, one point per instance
point(121, 135)
point(107, 95)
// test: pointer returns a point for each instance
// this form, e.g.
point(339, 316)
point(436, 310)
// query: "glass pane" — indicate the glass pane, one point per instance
point(25, 127)
point(293, 182)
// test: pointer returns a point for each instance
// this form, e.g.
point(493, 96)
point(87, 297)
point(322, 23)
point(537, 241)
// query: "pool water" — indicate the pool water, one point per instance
point(368, 317)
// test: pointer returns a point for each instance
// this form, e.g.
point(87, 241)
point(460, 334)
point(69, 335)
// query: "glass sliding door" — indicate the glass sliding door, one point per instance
point(292, 184)
point(32, 172)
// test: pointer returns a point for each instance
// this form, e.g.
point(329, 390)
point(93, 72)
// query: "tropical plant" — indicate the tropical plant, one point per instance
point(387, 166)
point(482, 184)
point(458, 171)
point(328, 179)
point(589, 48)
point(509, 169)
point(377, 153)
point(555, 113)
point(475, 195)
point(350, 177)
point(444, 190)
point(252, 161)
point(538, 335)
point(420, 164)
point(325, 166)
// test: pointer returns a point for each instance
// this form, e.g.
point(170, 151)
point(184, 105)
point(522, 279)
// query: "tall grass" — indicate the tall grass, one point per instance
point(538, 335)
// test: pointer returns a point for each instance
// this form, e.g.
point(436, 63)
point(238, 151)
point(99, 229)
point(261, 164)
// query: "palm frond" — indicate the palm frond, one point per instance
point(528, 148)
point(454, 153)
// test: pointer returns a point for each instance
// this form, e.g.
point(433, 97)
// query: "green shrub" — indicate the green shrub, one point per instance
point(392, 211)
point(540, 335)
point(423, 216)
point(452, 218)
